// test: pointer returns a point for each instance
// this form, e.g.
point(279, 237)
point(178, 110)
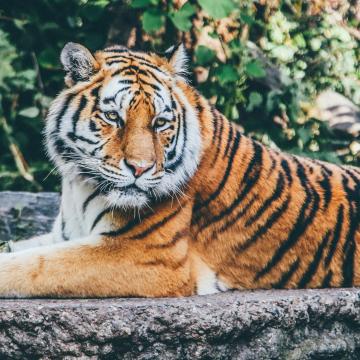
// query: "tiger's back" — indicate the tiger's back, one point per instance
point(267, 219)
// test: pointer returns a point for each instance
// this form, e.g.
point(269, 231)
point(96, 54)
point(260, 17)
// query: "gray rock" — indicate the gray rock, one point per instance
point(23, 214)
point(296, 324)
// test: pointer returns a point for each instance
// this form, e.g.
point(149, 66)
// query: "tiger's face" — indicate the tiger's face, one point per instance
point(125, 124)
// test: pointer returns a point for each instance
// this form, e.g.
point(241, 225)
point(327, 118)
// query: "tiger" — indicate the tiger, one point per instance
point(162, 196)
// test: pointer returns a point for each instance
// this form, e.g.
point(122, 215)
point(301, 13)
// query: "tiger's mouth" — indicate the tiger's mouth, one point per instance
point(133, 188)
point(106, 186)
point(128, 197)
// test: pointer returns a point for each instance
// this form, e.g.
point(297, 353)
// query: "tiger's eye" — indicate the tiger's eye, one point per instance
point(112, 115)
point(160, 122)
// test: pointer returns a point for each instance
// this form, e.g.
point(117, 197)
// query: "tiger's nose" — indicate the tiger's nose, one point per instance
point(138, 167)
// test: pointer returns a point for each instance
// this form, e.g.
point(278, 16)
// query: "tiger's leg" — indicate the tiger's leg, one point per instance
point(89, 268)
point(46, 239)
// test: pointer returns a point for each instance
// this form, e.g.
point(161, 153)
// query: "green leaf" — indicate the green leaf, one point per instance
point(142, 3)
point(50, 26)
point(204, 55)
point(49, 58)
point(300, 40)
point(20, 24)
point(152, 20)
point(217, 9)
point(247, 19)
point(305, 134)
point(181, 18)
point(255, 69)
point(283, 53)
point(255, 99)
point(30, 112)
point(226, 74)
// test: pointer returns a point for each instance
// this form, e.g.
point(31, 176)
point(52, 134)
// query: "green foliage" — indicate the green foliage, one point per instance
point(217, 9)
point(311, 48)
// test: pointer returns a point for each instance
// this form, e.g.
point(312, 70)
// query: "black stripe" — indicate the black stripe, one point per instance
point(302, 223)
point(349, 247)
point(93, 126)
point(142, 61)
point(152, 75)
point(63, 230)
point(326, 186)
point(314, 265)
point(230, 137)
point(81, 107)
point(126, 81)
point(273, 162)
point(215, 124)
point(100, 216)
point(154, 86)
point(219, 137)
point(116, 50)
point(74, 138)
point(124, 229)
point(62, 149)
point(327, 280)
point(238, 216)
point(249, 181)
point(146, 63)
point(269, 201)
point(285, 277)
point(285, 165)
point(349, 250)
point(156, 226)
point(159, 96)
point(323, 166)
point(118, 61)
point(134, 68)
point(336, 235)
point(63, 110)
point(91, 197)
point(95, 93)
point(353, 170)
point(112, 98)
point(272, 219)
point(111, 57)
point(93, 152)
point(174, 240)
point(184, 127)
point(221, 185)
point(199, 106)
point(349, 172)
point(172, 153)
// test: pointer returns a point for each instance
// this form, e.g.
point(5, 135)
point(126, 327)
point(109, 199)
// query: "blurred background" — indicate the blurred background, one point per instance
point(287, 71)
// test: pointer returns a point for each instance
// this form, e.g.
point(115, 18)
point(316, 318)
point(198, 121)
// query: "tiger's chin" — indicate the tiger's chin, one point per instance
point(128, 198)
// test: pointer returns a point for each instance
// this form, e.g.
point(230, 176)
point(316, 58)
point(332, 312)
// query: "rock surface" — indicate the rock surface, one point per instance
point(303, 324)
point(23, 214)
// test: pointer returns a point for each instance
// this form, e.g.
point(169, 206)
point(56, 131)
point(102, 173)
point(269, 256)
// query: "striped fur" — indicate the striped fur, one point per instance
point(214, 210)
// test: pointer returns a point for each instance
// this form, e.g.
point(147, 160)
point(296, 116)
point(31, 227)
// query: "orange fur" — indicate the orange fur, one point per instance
point(258, 218)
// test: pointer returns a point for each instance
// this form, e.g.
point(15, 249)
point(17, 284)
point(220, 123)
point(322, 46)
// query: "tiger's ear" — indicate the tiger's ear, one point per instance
point(178, 58)
point(78, 63)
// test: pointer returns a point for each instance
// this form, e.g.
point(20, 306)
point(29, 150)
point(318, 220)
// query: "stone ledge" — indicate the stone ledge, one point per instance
point(311, 324)
point(299, 324)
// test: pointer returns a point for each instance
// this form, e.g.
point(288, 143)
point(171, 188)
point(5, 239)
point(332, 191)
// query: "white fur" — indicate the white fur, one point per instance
point(208, 283)
point(179, 60)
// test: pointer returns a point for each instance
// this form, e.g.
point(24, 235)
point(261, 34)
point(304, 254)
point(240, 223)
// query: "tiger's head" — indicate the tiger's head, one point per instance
point(125, 123)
